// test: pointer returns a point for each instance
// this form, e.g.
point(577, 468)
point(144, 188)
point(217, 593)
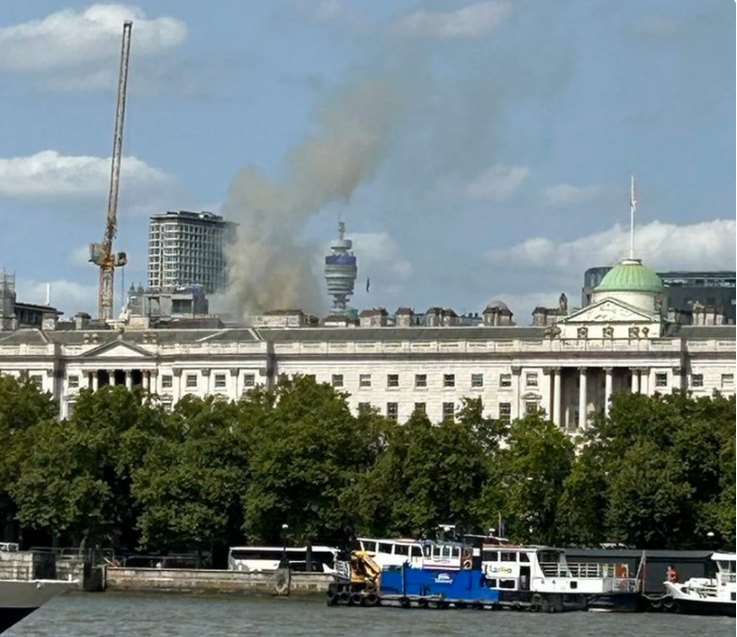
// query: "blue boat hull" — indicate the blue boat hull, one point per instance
point(469, 586)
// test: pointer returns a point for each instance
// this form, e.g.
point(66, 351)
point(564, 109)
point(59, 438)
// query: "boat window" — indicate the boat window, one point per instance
point(427, 550)
point(491, 556)
point(384, 547)
point(369, 546)
point(416, 551)
point(456, 552)
point(726, 567)
point(493, 583)
point(523, 557)
point(446, 551)
point(508, 557)
point(401, 549)
point(507, 583)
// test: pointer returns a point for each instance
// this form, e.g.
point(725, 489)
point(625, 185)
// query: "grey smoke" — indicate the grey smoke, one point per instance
point(270, 265)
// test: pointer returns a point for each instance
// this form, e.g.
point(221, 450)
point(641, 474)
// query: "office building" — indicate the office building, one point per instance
point(186, 249)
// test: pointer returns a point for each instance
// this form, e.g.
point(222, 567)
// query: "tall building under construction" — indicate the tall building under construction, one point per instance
point(188, 248)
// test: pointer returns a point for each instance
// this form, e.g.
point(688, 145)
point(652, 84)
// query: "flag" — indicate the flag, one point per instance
point(368, 284)
point(633, 194)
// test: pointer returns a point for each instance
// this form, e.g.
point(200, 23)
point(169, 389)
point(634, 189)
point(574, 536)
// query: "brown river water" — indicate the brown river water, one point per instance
point(115, 615)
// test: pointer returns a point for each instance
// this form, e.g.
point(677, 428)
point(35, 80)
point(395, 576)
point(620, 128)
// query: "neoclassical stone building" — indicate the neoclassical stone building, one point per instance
point(569, 366)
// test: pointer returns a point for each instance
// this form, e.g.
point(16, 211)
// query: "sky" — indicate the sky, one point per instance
point(475, 150)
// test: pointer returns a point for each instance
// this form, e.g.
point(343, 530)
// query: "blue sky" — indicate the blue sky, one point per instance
point(476, 150)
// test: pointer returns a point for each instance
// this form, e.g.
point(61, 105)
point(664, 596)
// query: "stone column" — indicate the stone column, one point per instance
point(95, 381)
point(517, 383)
point(556, 396)
point(607, 389)
point(635, 380)
point(645, 381)
point(582, 402)
point(177, 382)
point(153, 381)
point(89, 380)
point(234, 383)
point(208, 380)
point(128, 379)
point(548, 401)
point(111, 377)
point(677, 381)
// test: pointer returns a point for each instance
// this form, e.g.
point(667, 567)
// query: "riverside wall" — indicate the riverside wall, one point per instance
point(214, 581)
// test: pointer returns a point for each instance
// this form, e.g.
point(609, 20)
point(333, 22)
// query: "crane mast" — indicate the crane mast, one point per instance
point(101, 254)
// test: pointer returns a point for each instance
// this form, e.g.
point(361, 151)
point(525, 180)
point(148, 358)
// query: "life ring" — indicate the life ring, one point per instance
point(344, 597)
point(467, 565)
point(357, 599)
point(372, 599)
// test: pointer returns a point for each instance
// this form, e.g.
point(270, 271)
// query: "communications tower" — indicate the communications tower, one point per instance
point(340, 271)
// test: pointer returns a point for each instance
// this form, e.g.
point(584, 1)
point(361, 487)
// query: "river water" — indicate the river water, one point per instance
point(114, 615)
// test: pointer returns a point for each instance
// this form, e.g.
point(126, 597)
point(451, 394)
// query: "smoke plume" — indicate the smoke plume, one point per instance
point(270, 265)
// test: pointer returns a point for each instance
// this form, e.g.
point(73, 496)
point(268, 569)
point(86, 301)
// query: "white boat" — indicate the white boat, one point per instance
point(392, 553)
point(541, 574)
point(706, 596)
point(21, 595)
point(268, 558)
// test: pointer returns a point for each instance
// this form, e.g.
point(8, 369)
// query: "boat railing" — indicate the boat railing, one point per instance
point(584, 570)
point(14, 570)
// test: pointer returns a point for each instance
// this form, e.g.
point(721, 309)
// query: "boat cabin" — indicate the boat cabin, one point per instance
point(392, 553)
point(726, 575)
point(545, 569)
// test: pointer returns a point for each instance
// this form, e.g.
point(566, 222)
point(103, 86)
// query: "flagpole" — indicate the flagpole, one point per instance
point(633, 207)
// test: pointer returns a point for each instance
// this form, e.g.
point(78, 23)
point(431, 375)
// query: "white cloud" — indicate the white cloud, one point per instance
point(49, 174)
point(377, 252)
point(79, 257)
point(566, 194)
point(497, 183)
point(662, 246)
point(79, 49)
point(472, 21)
point(67, 296)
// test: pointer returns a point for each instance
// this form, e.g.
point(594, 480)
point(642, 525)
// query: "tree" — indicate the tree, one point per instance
point(75, 479)
point(22, 406)
point(192, 480)
point(306, 449)
point(531, 471)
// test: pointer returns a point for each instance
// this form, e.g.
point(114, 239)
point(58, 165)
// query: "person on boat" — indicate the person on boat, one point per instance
point(672, 575)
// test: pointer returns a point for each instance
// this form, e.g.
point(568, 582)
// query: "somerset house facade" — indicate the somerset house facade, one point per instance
point(567, 364)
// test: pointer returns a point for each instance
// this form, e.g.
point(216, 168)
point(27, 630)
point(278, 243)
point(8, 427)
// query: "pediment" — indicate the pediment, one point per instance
point(610, 311)
point(117, 349)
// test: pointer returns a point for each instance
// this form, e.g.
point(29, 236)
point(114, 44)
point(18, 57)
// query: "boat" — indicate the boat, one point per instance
point(20, 596)
point(705, 595)
point(541, 575)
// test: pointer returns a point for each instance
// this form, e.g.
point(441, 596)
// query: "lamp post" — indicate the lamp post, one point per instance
point(284, 560)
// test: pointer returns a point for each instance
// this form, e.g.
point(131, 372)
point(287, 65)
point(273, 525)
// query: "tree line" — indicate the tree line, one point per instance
point(125, 471)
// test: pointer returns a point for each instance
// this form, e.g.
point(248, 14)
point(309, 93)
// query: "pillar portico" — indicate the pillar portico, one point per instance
point(517, 373)
point(234, 382)
point(582, 402)
point(128, 379)
point(95, 381)
point(177, 378)
point(556, 396)
point(677, 381)
point(111, 377)
point(635, 380)
point(607, 389)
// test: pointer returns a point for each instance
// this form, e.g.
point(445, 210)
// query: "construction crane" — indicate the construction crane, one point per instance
point(101, 254)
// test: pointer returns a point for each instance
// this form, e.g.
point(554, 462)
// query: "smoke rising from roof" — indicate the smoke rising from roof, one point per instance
point(270, 265)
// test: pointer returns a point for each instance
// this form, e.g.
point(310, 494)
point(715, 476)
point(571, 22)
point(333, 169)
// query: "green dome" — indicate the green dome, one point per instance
point(630, 276)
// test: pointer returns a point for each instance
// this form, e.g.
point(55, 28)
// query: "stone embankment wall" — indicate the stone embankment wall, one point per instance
point(214, 581)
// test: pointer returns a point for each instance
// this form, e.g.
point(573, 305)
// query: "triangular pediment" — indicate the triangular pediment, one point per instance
point(117, 349)
point(610, 311)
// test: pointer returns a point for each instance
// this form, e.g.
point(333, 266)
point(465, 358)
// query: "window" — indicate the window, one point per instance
point(364, 380)
point(505, 380)
point(191, 381)
point(401, 549)
point(416, 551)
point(249, 380)
point(73, 381)
point(697, 380)
point(530, 407)
point(392, 410)
point(392, 380)
point(337, 380)
point(166, 382)
point(449, 380)
point(490, 556)
point(508, 557)
point(420, 381)
point(531, 379)
point(477, 380)
point(421, 408)
point(219, 381)
point(523, 557)
point(384, 547)
point(449, 410)
point(727, 380)
point(505, 412)
point(38, 381)
point(661, 379)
